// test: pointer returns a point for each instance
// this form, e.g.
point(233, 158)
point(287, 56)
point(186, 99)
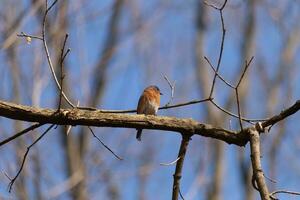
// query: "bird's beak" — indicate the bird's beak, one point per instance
point(161, 93)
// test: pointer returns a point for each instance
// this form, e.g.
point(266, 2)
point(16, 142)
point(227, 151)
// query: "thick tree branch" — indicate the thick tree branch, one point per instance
point(258, 175)
point(282, 115)
point(179, 165)
point(97, 118)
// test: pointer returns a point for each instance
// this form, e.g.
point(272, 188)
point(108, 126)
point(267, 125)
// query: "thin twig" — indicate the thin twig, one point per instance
point(181, 196)
point(226, 82)
point(21, 133)
point(161, 108)
point(216, 71)
point(270, 179)
point(179, 165)
point(221, 47)
point(67, 52)
point(12, 180)
point(215, 7)
point(47, 51)
point(104, 144)
point(134, 110)
point(238, 107)
point(236, 116)
point(247, 64)
point(22, 34)
point(185, 104)
point(69, 127)
point(172, 87)
point(43, 38)
point(170, 163)
point(62, 58)
point(237, 92)
point(283, 191)
point(211, 5)
point(49, 8)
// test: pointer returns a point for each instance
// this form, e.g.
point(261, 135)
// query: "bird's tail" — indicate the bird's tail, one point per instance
point(139, 134)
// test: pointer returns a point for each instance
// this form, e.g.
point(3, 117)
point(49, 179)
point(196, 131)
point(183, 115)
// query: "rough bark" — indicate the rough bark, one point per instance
point(96, 118)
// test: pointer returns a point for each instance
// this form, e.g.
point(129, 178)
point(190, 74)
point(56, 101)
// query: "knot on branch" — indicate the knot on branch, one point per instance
point(187, 135)
point(259, 127)
point(62, 113)
point(177, 176)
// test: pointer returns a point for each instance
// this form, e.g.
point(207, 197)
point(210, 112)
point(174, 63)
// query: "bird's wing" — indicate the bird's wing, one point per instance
point(141, 105)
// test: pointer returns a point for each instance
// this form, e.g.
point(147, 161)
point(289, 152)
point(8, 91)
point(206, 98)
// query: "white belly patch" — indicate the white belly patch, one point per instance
point(151, 108)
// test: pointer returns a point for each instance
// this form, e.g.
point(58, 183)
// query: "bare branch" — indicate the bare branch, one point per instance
point(21, 133)
point(161, 108)
point(170, 163)
point(247, 64)
point(48, 54)
point(62, 58)
point(221, 47)
point(179, 165)
point(238, 107)
point(283, 114)
point(50, 7)
point(172, 87)
point(226, 82)
point(215, 7)
point(100, 119)
point(25, 156)
point(118, 157)
point(211, 5)
point(216, 71)
point(185, 104)
point(43, 38)
point(236, 116)
point(284, 192)
point(181, 196)
point(237, 92)
point(270, 179)
point(97, 118)
point(22, 34)
point(65, 55)
point(258, 175)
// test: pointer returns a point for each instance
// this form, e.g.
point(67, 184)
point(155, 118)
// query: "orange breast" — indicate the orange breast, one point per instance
point(148, 102)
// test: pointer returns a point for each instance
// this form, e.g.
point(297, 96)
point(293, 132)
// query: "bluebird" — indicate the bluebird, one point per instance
point(148, 104)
